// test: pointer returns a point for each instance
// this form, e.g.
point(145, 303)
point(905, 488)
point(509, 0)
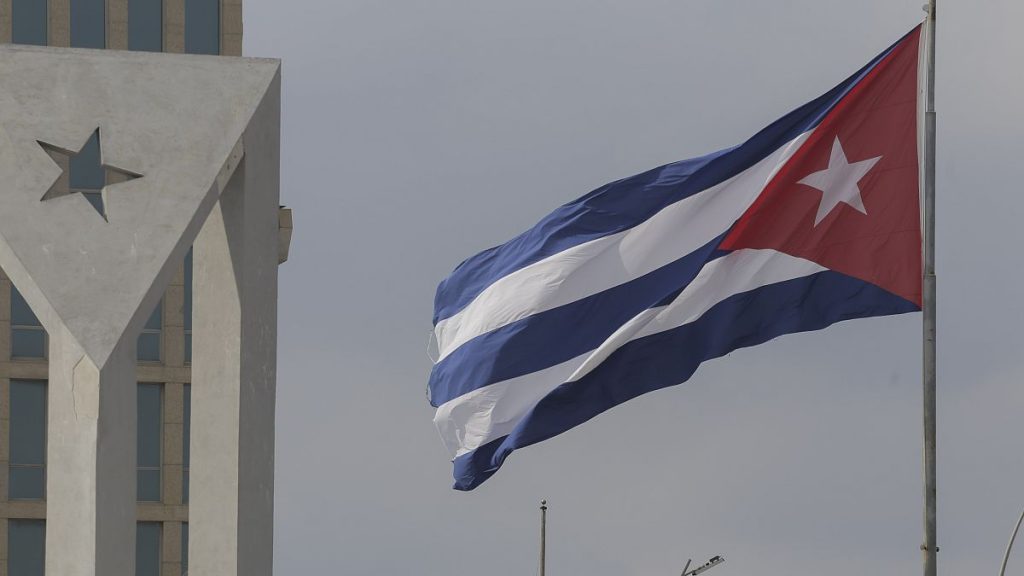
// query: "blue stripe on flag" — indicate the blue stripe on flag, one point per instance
point(628, 202)
point(554, 336)
point(669, 358)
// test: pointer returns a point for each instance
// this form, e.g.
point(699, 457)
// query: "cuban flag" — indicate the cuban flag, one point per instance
point(814, 220)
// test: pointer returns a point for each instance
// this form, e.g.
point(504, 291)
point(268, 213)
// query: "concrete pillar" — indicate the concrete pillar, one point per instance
point(117, 24)
point(90, 481)
point(231, 27)
point(5, 21)
point(174, 26)
point(234, 363)
point(170, 549)
point(173, 445)
point(58, 13)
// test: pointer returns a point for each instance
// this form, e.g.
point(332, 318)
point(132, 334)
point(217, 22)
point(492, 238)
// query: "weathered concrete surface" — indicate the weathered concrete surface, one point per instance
point(179, 122)
point(234, 364)
point(175, 119)
point(90, 524)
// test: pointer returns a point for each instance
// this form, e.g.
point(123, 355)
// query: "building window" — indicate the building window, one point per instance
point(188, 307)
point(27, 468)
point(88, 24)
point(147, 548)
point(184, 549)
point(145, 25)
point(202, 26)
point(26, 547)
point(186, 430)
point(28, 338)
point(148, 349)
point(28, 18)
point(149, 441)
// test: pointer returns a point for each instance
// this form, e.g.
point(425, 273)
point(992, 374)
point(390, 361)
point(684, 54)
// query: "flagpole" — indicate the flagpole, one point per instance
point(929, 547)
point(543, 535)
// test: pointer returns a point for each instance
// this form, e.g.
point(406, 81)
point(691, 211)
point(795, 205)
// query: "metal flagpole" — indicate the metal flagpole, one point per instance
point(543, 534)
point(929, 547)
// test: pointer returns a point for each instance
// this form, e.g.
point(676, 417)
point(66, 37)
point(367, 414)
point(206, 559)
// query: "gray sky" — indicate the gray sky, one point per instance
point(418, 133)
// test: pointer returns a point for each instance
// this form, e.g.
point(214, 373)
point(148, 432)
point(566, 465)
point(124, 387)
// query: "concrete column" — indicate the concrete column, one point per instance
point(5, 21)
point(173, 444)
point(174, 26)
point(231, 27)
point(117, 24)
point(5, 318)
point(234, 364)
point(90, 456)
point(3, 546)
point(174, 321)
point(170, 549)
point(58, 13)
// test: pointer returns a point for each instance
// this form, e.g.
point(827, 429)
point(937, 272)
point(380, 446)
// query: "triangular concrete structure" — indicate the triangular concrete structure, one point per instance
point(175, 120)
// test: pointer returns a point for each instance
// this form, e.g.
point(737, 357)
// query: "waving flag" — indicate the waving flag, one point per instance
point(814, 220)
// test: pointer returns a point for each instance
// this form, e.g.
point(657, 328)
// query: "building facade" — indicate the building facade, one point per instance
point(164, 348)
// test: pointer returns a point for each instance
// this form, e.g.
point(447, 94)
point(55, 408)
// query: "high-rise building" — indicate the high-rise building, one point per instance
point(164, 347)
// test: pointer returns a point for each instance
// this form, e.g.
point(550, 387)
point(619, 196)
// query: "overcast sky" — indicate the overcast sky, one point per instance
point(417, 133)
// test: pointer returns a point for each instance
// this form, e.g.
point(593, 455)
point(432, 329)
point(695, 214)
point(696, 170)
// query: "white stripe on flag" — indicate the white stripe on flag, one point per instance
point(475, 418)
point(607, 262)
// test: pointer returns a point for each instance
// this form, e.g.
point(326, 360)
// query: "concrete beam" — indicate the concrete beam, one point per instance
point(175, 120)
point(234, 364)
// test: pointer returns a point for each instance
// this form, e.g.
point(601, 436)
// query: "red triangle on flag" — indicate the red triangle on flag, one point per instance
point(849, 198)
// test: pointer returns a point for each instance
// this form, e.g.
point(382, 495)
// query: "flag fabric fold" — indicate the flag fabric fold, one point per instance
point(814, 220)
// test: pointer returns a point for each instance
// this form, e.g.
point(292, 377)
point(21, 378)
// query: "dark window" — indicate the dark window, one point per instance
point(202, 26)
point(28, 338)
point(28, 18)
point(147, 548)
point(145, 25)
point(149, 441)
point(27, 469)
point(186, 435)
point(88, 24)
point(188, 307)
point(148, 349)
point(184, 549)
point(26, 547)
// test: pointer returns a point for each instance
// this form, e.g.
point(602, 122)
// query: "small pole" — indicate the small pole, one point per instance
point(930, 546)
point(1009, 545)
point(687, 567)
point(543, 535)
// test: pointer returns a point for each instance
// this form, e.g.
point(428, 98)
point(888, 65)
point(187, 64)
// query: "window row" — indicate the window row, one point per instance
point(27, 466)
point(29, 339)
point(26, 548)
point(145, 24)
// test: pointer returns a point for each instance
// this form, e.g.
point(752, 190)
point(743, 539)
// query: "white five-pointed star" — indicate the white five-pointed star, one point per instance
point(838, 182)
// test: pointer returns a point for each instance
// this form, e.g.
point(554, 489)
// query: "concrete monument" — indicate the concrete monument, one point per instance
point(190, 145)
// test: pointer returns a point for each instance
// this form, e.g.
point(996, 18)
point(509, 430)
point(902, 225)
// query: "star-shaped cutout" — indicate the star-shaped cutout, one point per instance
point(89, 162)
point(838, 182)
